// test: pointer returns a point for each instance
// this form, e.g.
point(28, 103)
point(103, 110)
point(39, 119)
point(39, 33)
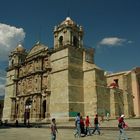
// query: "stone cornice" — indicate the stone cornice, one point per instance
point(9, 85)
point(59, 70)
point(33, 73)
point(34, 57)
point(30, 94)
point(59, 58)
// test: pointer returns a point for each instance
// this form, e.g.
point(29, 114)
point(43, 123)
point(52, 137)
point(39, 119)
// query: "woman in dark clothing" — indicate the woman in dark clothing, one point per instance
point(82, 125)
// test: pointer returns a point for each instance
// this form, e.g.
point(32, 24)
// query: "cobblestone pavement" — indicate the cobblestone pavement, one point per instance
point(63, 134)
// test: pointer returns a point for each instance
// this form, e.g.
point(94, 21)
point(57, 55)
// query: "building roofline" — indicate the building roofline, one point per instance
point(118, 73)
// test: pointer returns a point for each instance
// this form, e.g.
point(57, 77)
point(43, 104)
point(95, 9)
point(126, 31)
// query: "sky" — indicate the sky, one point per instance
point(112, 27)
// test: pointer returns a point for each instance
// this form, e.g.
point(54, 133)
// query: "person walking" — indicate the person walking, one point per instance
point(53, 129)
point(122, 125)
point(25, 117)
point(107, 116)
point(87, 123)
point(96, 125)
point(82, 126)
point(77, 125)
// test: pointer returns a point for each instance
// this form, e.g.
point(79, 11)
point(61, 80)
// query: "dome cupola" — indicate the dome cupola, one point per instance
point(19, 49)
point(68, 33)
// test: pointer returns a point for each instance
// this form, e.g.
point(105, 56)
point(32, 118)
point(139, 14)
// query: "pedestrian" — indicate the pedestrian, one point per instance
point(87, 123)
point(77, 125)
point(122, 125)
point(107, 116)
point(96, 125)
point(16, 123)
point(82, 126)
point(53, 129)
point(26, 116)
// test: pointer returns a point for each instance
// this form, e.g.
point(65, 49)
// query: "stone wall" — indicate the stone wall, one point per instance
point(136, 93)
point(59, 103)
point(75, 82)
point(116, 103)
point(9, 93)
point(123, 94)
point(103, 95)
point(119, 76)
point(1, 108)
point(90, 96)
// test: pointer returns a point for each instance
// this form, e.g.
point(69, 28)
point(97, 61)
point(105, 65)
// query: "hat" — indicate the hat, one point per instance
point(122, 115)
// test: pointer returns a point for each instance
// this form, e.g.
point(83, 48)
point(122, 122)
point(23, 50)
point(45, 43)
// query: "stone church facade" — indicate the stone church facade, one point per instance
point(63, 80)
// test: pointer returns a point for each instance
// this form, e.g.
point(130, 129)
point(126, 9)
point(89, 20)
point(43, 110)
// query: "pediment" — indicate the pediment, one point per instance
point(36, 49)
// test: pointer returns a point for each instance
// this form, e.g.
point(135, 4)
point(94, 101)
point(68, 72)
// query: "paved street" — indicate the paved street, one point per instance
point(64, 134)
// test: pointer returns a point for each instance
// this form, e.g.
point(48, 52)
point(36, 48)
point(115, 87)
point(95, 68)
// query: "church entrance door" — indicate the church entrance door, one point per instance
point(44, 108)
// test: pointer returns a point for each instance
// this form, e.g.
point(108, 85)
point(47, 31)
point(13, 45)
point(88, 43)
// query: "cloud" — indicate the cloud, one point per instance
point(2, 79)
point(2, 86)
point(113, 41)
point(2, 89)
point(10, 36)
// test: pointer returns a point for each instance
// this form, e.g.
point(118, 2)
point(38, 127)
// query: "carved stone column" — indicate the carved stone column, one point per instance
point(13, 111)
point(136, 94)
point(112, 104)
point(38, 111)
point(34, 108)
point(48, 105)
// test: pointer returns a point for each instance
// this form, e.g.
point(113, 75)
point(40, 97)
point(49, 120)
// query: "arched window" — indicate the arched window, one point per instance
point(28, 103)
point(75, 41)
point(60, 40)
point(12, 62)
point(17, 109)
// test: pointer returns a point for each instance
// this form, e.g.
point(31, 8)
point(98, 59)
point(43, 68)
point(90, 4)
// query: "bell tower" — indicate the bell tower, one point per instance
point(16, 58)
point(68, 33)
point(67, 62)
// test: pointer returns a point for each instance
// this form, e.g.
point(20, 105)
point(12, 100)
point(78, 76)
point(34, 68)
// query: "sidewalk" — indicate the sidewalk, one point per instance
point(133, 124)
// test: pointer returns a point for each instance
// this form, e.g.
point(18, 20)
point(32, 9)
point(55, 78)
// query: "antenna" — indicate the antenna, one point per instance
point(38, 36)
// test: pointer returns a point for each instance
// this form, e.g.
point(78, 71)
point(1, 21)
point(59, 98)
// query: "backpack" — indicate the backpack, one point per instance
point(120, 125)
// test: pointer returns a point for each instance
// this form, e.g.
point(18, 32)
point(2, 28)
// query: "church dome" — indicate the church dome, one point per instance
point(68, 21)
point(19, 48)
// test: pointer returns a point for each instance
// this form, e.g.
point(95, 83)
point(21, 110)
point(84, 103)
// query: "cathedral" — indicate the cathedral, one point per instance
point(64, 80)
